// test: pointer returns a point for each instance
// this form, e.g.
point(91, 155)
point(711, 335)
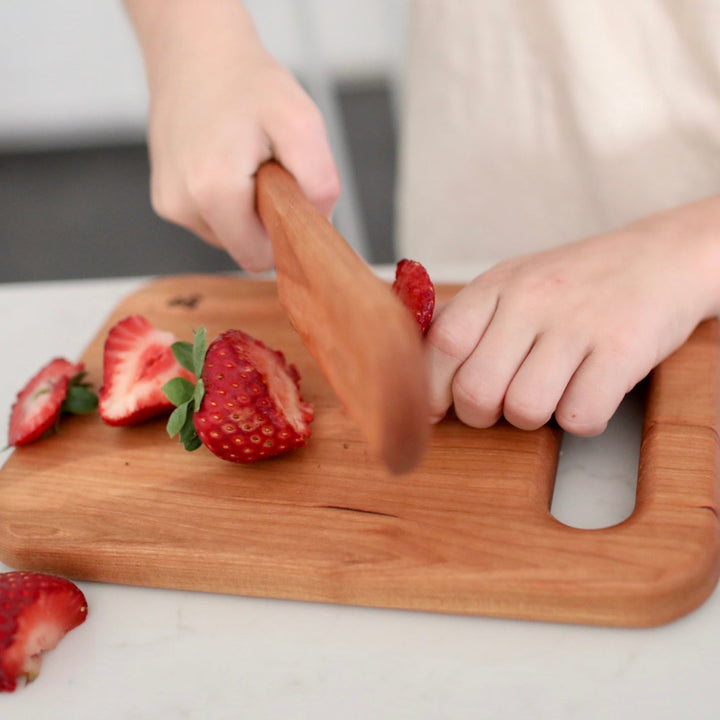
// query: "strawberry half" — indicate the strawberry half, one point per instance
point(414, 287)
point(56, 388)
point(246, 405)
point(137, 361)
point(36, 612)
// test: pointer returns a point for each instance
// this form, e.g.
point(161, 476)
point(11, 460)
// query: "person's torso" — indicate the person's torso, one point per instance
point(529, 123)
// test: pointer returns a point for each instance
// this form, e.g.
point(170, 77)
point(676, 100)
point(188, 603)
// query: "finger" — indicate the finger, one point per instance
point(225, 202)
point(453, 335)
point(480, 384)
point(541, 380)
point(233, 220)
point(174, 205)
point(595, 391)
point(301, 145)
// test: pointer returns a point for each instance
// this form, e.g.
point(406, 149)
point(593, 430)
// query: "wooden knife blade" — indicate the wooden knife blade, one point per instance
point(364, 340)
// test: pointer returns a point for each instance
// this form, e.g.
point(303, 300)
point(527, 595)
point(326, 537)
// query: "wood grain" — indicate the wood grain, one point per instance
point(362, 338)
point(468, 531)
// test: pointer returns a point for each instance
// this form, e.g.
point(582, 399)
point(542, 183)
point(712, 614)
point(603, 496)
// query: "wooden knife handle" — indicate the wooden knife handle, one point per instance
point(364, 340)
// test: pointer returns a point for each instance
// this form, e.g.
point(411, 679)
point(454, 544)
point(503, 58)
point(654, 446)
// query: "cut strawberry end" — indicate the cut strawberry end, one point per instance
point(252, 407)
point(282, 386)
point(416, 291)
point(37, 611)
point(39, 403)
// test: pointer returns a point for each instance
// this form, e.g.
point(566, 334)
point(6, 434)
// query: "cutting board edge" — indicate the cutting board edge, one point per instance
point(656, 609)
point(657, 596)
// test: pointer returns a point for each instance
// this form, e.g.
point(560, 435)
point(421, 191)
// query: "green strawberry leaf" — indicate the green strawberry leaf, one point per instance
point(188, 435)
point(199, 350)
point(198, 394)
point(183, 352)
point(193, 443)
point(177, 419)
point(183, 394)
point(80, 400)
point(178, 391)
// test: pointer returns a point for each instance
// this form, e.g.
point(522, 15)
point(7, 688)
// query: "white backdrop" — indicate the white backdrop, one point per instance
point(70, 71)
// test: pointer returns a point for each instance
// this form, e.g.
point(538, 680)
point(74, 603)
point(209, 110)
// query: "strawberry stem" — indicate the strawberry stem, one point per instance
point(183, 394)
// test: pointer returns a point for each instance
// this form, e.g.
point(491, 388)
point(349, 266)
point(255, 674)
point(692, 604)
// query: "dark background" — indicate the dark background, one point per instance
point(85, 213)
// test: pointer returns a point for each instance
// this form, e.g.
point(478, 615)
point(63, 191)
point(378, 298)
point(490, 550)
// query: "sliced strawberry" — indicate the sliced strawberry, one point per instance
point(39, 404)
point(414, 287)
point(137, 362)
point(36, 611)
point(249, 406)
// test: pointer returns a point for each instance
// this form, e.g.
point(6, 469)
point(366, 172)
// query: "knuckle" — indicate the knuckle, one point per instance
point(447, 339)
point(324, 190)
point(166, 204)
point(308, 120)
point(328, 190)
point(218, 180)
point(301, 122)
point(619, 344)
point(476, 404)
point(203, 188)
point(256, 264)
point(526, 412)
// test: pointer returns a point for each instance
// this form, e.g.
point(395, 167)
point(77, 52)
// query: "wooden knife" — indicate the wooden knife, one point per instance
point(364, 340)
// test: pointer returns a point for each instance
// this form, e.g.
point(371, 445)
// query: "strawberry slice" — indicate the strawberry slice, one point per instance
point(137, 362)
point(246, 405)
point(40, 403)
point(36, 612)
point(414, 287)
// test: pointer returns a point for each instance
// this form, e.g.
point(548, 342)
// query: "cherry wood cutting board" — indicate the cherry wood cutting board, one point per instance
point(469, 531)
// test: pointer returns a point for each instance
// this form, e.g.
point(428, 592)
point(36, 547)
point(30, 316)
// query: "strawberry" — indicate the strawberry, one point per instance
point(137, 361)
point(246, 404)
point(36, 612)
point(414, 287)
point(56, 388)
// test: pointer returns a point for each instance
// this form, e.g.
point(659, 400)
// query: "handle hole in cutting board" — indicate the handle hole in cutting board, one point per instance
point(596, 480)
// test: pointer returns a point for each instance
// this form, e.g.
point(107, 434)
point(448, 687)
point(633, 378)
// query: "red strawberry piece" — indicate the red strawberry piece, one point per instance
point(414, 287)
point(39, 404)
point(36, 612)
point(137, 362)
point(252, 408)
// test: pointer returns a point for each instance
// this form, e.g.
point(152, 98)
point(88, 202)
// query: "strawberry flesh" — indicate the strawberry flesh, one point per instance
point(252, 408)
point(415, 289)
point(137, 362)
point(39, 404)
point(36, 612)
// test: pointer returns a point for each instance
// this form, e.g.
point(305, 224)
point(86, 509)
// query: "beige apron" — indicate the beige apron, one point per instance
point(530, 123)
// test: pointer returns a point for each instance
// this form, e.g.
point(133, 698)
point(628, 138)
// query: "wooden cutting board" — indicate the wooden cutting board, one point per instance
point(469, 531)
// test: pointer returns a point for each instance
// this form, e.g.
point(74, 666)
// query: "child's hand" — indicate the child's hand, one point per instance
point(571, 330)
point(221, 106)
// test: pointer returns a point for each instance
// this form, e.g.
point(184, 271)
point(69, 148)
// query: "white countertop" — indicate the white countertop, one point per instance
point(163, 654)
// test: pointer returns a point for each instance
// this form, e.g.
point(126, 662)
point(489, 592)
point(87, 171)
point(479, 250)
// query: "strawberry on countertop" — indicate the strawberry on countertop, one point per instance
point(56, 388)
point(246, 405)
point(414, 287)
point(137, 362)
point(36, 612)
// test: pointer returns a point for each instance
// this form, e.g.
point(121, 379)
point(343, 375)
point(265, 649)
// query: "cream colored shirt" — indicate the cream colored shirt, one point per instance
point(530, 123)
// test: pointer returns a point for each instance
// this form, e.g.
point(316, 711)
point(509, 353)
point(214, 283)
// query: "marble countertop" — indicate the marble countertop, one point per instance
point(148, 653)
